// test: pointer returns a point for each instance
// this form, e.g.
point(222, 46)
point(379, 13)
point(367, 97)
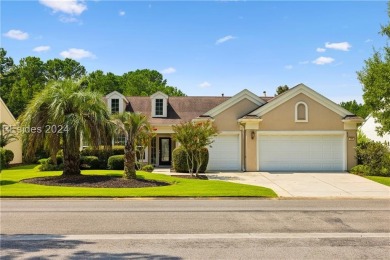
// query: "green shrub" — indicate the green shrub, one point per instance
point(6, 156)
point(116, 162)
point(148, 168)
point(47, 165)
point(375, 156)
point(179, 160)
point(89, 162)
point(60, 159)
point(360, 170)
point(102, 154)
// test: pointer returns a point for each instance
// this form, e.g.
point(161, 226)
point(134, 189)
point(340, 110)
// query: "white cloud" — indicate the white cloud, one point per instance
point(72, 7)
point(169, 70)
point(368, 40)
point(304, 62)
point(288, 67)
point(341, 46)
point(320, 50)
point(205, 84)
point(41, 48)
point(77, 54)
point(68, 19)
point(122, 13)
point(225, 39)
point(323, 60)
point(16, 34)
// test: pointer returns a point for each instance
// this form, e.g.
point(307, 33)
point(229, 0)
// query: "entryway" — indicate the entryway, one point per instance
point(165, 146)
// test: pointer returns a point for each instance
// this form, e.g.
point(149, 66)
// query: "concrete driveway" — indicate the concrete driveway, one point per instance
point(310, 185)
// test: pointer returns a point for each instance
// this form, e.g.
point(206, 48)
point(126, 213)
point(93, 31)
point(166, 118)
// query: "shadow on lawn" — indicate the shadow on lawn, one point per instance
point(54, 246)
point(21, 167)
point(6, 182)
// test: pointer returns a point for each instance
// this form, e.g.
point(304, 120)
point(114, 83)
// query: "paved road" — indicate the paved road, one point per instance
point(195, 229)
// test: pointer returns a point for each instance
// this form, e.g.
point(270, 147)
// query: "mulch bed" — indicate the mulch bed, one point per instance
point(188, 176)
point(94, 181)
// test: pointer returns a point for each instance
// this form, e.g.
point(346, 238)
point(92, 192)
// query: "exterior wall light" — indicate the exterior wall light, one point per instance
point(253, 134)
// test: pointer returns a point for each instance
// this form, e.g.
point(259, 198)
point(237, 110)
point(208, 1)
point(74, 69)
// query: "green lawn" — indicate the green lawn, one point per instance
point(380, 179)
point(12, 187)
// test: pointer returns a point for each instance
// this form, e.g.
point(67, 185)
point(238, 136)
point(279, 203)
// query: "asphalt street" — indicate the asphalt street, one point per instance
point(195, 229)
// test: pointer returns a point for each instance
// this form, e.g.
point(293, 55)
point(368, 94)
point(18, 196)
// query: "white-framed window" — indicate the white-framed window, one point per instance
point(159, 104)
point(301, 112)
point(114, 105)
point(119, 139)
point(159, 109)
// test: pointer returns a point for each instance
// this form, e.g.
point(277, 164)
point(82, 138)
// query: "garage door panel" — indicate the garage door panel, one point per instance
point(224, 153)
point(301, 153)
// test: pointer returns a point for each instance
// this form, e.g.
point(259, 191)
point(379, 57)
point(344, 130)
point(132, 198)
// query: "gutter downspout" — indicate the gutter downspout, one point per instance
point(243, 164)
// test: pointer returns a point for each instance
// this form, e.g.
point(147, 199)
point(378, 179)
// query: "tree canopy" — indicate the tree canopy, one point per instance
point(282, 89)
point(375, 78)
point(356, 108)
point(20, 82)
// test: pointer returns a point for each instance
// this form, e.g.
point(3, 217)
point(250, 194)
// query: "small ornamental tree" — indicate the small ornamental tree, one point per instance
point(193, 137)
point(131, 125)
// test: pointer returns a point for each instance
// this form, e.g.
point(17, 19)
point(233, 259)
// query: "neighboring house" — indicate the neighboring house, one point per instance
point(299, 130)
point(369, 129)
point(16, 146)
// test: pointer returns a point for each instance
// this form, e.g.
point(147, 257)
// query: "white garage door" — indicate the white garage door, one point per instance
point(301, 153)
point(224, 155)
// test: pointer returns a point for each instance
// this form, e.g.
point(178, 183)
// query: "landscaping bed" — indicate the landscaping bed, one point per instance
point(95, 181)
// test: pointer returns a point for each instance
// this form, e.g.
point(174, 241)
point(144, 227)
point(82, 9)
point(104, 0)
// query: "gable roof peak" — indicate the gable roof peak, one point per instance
point(116, 94)
point(159, 94)
point(243, 94)
point(301, 89)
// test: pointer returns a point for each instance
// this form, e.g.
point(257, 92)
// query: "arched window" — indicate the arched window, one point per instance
point(301, 112)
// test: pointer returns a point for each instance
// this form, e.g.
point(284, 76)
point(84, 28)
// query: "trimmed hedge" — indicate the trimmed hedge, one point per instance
point(147, 168)
point(47, 165)
point(103, 154)
point(6, 156)
point(179, 160)
point(116, 162)
point(89, 162)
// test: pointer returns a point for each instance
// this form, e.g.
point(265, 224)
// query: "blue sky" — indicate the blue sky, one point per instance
point(206, 47)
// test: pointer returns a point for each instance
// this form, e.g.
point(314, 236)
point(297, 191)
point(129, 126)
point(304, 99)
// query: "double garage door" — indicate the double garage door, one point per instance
point(225, 153)
point(301, 152)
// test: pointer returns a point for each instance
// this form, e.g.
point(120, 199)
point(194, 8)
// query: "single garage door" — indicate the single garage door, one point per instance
point(301, 152)
point(224, 155)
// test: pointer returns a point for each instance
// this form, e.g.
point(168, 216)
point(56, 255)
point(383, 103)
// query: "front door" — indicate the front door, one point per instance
point(165, 151)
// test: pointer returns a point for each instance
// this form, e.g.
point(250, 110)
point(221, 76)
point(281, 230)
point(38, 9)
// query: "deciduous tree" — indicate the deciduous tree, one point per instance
point(375, 78)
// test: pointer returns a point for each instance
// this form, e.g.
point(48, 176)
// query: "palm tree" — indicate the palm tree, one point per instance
point(65, 111)
point(131, 125)
point(6, 134)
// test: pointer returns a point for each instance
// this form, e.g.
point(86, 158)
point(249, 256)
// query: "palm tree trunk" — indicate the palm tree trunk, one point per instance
point(71, 156)
point(129, 172)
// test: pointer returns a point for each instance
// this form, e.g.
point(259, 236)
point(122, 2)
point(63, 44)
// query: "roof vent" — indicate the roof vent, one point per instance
point(265, 93)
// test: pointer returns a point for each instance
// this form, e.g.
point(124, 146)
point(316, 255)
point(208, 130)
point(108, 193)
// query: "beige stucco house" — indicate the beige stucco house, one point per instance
point(299, 130)
point(16, 146)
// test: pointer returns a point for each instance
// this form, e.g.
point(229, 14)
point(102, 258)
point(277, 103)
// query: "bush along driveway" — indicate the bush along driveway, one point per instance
point(12, 185)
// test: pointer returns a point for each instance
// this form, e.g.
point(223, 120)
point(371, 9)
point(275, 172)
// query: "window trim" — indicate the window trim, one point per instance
point(160, 104)
point(111, 105)
point(297, 120)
